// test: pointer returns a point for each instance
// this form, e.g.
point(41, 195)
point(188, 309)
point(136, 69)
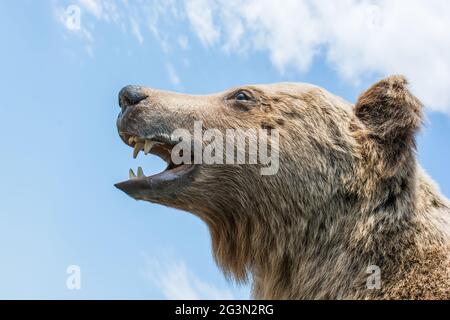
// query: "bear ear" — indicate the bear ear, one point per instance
point(390, 113)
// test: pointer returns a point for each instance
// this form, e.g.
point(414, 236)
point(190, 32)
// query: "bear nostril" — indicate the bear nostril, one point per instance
point(131, 95)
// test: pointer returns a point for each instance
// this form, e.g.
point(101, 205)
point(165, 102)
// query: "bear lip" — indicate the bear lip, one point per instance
point(143, 187)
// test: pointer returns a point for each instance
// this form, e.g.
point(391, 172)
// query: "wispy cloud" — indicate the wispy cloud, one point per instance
point(357, 38)
point(136, 30)
point(200, 14)
point(176, 281)
point(93, 6)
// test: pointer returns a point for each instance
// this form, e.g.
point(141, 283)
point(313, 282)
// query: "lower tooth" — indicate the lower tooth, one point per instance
point(140, 172)
point(131, 174)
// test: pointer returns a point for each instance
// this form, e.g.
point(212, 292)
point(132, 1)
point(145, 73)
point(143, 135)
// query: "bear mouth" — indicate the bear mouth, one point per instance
point(138, 184)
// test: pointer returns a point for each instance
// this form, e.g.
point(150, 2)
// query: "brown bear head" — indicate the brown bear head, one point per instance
point(330, 155)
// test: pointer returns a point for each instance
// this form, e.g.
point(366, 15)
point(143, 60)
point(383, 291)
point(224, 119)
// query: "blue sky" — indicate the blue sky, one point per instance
point(61, 152)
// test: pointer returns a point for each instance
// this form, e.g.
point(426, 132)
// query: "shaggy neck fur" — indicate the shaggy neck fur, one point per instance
point(318, 255)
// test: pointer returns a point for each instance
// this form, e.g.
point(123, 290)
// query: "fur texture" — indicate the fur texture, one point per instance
point(349, 192)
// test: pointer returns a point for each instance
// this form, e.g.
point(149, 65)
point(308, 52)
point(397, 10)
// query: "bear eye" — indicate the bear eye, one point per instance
point(241, 96)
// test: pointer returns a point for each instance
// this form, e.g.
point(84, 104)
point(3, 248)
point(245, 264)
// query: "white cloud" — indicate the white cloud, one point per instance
point(408, 37)
point(106, 10)
point(360, 39)
point(200, 16)
point(177, 282)
point(136, 30)
point(93, 6)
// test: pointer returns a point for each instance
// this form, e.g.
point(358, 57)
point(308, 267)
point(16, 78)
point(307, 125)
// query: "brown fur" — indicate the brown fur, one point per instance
point(349, 192)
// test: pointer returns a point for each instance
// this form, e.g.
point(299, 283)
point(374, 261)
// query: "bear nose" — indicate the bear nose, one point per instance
point(131, 95)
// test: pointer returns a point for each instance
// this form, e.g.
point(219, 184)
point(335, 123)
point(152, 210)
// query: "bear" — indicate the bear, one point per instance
point(350, 214)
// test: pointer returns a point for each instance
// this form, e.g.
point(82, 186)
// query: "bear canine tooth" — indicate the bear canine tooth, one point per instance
point(137, 149)
point(131, 140)
point(131, 174)
point(140, 172)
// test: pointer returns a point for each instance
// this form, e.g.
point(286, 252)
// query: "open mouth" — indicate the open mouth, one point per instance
point(161, 146)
